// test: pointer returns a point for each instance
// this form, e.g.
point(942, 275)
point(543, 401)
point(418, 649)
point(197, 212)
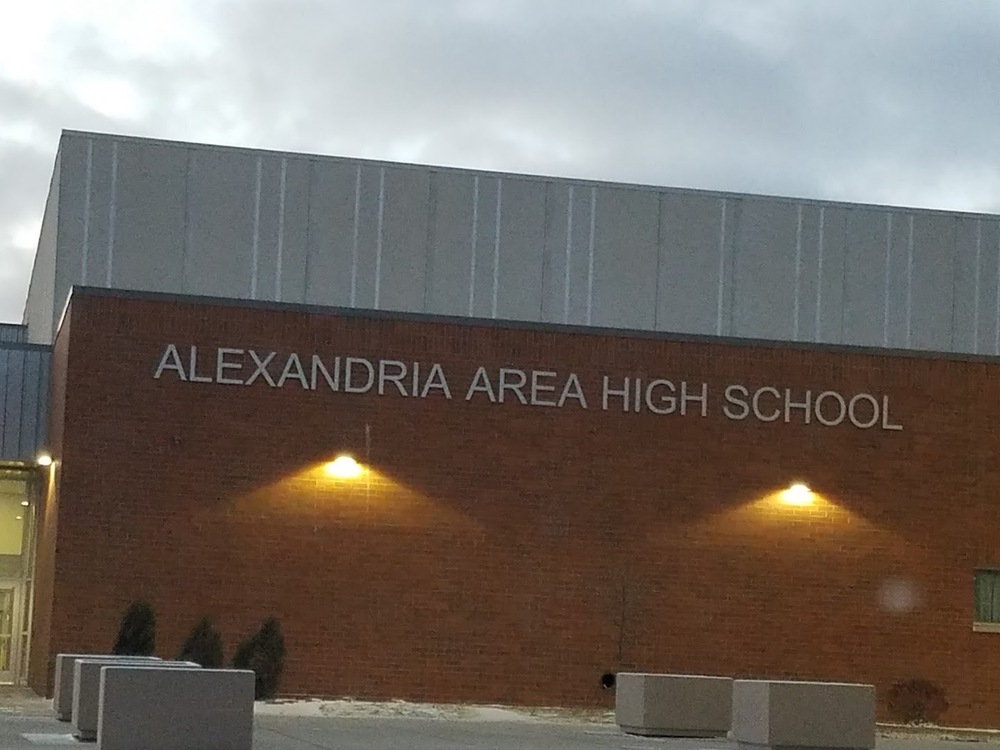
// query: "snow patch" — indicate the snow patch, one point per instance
point(347, 708)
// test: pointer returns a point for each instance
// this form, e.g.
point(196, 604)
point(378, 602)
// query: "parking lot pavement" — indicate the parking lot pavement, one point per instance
point(307, 733)
point(288, 733)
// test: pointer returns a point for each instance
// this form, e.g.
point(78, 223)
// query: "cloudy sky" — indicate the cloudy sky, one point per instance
point(882, 101)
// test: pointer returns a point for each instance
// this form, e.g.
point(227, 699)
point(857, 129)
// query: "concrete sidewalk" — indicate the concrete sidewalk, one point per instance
point(26, 722)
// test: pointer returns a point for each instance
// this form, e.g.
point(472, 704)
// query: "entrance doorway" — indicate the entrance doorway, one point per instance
point(19, 497)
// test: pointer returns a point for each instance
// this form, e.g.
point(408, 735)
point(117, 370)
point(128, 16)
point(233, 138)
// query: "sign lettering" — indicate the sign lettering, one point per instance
point(549, 388)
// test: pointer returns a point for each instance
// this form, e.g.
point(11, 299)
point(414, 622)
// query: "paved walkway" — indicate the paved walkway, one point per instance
point(26, 722)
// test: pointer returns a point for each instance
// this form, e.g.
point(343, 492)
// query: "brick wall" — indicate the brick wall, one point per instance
point(513, 553)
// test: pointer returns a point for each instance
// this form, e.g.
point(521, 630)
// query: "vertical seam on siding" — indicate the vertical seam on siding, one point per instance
point(496, 247)
point(255, 248)
point(112, 212)
point(354, 242)
point(569, 254)
point(281, 231)
point(87, 187)
point(475, 240)
point(378, 241)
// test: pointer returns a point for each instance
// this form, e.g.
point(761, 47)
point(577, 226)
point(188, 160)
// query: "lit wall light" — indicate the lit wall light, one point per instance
point(343, 467)
point(25, 503)
point(798, 494)
point(44, 459)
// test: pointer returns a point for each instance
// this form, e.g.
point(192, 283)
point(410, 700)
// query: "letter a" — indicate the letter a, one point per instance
point(170, 360)
point(481, 384)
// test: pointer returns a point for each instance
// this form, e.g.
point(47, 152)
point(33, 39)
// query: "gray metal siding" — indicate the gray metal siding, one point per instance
point(831, 244)
point(520, 257)
point(401, 246)
point(482, 266)
point(985, 283)
point(13, 333)
point(296, 228)
point(808, 258)
point(764, 275)
point(227, 227)
point(24, 383)
point(39, 308)
point(330, 242)
point(931, 318)
point(153, 177)
point(864, 277)
point(691, 290)
point(623, 295)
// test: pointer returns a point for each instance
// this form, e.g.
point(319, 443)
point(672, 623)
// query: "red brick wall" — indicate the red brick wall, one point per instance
point(511, 553)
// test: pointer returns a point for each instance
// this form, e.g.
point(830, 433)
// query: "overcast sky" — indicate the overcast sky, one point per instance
point(882, 101)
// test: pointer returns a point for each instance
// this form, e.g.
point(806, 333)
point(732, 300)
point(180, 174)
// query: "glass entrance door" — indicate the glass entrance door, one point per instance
point(9, 641)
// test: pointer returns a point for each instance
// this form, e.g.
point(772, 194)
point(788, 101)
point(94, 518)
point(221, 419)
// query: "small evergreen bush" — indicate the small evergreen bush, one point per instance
point(137, 631)
point(204, 645)
point(264, 653)
point(917, 701)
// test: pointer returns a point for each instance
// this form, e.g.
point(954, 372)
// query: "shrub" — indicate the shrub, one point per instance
point(264, 653)
point(204, 645)
point(137, 631)
point(917, 701)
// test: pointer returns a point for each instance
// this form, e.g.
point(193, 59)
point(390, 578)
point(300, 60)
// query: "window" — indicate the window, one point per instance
point(986, 596)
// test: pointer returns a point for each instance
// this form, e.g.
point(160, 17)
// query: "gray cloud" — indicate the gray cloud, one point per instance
point(858, 101)
point(817, 98)
point(34, 118)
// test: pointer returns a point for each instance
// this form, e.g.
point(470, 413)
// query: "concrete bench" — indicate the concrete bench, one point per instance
point(167, 709)
point(87, 688)
point(798, 714)
point(673, 705)
point(62, 695)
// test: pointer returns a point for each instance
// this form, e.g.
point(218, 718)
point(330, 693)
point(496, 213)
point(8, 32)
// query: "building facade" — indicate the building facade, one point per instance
point(532, 506)
point(491, 437)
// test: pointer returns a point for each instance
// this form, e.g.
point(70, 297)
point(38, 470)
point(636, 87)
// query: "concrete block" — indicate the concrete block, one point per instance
point(87, 689)
point(799, 714)
point(194, 709)
point(673, 705)
point(62, 695)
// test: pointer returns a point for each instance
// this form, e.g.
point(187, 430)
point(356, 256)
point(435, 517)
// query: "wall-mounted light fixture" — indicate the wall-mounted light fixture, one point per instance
point(344, 467)
point(798, 494)
point(43, 459)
